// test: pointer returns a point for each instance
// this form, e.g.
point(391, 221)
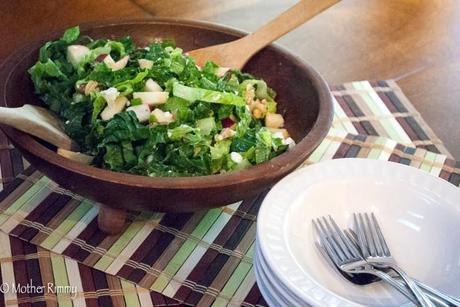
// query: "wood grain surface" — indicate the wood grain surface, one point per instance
point(416, 42)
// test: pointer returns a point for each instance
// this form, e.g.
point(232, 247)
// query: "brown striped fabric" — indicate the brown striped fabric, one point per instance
point(203, 258)
point(32, 266)
point(355, 104)
point(217, 263)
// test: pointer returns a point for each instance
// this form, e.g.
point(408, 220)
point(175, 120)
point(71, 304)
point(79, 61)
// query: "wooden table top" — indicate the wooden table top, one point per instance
point(416, 42)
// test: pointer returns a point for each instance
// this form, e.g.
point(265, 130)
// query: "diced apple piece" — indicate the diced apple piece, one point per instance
point(152, 98)
point(120, 64)
point(152, 86)
point(274, 120)
point(161, 117)
point(236, 157)
point(282, 132)
point(290, 142)
point(108, 60)
point(75, 156)
point(142, 112)
point(110, 95)
point(221, 71)
point(116, 107)
point(145, 64)
point(75, 53)
point(224, 134)
point(114, 66)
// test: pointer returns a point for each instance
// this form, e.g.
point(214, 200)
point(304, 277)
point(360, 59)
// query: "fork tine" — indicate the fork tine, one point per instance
point(361, 238)
point(375, 238)
point(328, 236)
point(354, 242)
point(343, 240)
point(380, 236)
point(352, 237)
point(353, 245)
point(325, 242)
point(368, 235)
point(331, 260)
point(333, 235)
point(328, 256)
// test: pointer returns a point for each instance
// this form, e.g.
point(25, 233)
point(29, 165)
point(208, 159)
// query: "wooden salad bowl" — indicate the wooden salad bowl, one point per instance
point(303, 97)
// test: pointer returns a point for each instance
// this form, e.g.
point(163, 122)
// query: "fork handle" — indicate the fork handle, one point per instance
point(441, 296)
point(400, 285)
point(423, 300)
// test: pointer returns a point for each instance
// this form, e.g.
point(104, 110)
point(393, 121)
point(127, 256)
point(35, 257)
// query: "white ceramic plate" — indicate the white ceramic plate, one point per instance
point(419, 215)
point(275, 292)
point(270, 295)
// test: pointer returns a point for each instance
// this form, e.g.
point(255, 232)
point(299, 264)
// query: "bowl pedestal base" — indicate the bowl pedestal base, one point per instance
point(111, 220)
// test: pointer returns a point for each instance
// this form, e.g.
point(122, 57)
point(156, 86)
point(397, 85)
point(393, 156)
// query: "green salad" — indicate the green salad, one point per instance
point(152, 111)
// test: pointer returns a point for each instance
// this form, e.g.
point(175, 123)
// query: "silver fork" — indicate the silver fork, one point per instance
point(345, 256)
point(437, 297)
point(376, 252)
point(326, 230)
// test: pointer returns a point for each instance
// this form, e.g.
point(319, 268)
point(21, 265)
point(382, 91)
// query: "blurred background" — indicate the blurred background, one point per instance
point(416, 42)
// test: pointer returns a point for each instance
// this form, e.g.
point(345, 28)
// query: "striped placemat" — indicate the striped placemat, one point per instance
point(217, 261)
point(201, 258)
point(381, 109)
point(63, 281)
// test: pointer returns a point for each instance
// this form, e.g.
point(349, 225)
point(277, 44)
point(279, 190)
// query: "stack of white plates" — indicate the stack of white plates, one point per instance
point(275, 292)
point(419, 216)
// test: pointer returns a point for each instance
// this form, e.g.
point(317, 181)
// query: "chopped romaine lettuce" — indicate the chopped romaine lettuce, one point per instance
point(198, 94)
point(206, 125)
point(209, 128)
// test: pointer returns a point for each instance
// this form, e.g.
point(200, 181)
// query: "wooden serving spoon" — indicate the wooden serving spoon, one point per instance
point(236, 53)
point(43, 124)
